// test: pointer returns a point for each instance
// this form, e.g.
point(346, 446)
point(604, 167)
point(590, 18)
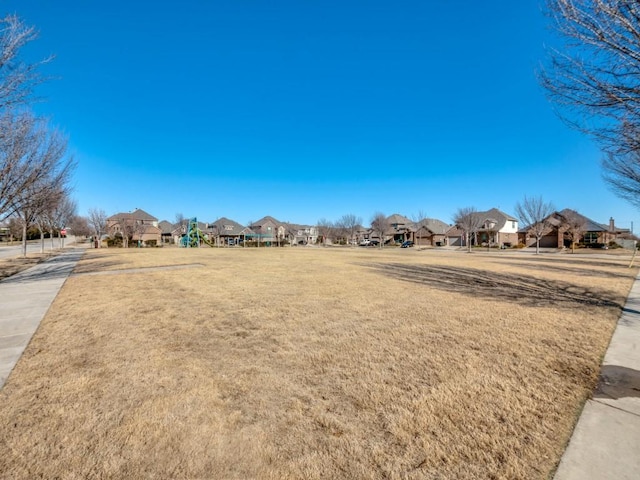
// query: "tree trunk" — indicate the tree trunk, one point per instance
point(24, 240)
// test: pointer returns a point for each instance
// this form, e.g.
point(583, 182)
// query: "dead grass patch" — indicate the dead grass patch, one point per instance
point(311, 363)
point(11, 266)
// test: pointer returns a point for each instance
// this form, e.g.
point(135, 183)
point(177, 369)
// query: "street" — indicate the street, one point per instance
point(33, 246)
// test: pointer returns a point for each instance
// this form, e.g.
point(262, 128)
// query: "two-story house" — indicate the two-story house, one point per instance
point(137, 226)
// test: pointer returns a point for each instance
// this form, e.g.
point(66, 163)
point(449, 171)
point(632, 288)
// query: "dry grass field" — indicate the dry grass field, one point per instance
point(311, 363)
point(12, 265)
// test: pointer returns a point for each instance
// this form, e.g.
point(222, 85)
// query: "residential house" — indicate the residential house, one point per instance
point(226, 232)
point(167, 231)
point(557, 233)
point(498, 228)
point(301, 234)
point(138, 226)
point(430, 231)
point(268, 231)
point(400, 229)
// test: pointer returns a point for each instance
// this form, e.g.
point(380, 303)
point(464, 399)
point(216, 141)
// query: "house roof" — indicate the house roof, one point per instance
point(226, 226)
point(142, 215)
point(589, 225)
point(454, 231)
point(397, 219)
point(135, 215)
point(147, 229)
point(556, 219)
point(294, 228)
point(166, 227)
point(498, 216)
point(435, 226)
point(266, 219)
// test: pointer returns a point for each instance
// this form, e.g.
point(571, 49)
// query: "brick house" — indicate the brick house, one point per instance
point(137, 226)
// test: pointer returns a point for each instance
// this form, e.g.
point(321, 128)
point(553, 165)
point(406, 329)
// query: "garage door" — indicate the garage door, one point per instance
point(549, 241)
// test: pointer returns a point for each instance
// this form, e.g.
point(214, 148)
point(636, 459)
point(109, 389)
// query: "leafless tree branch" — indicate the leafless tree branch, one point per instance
point(533, 213)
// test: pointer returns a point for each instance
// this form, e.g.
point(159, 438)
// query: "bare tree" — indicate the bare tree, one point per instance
point(181, 220)
point(43, 199)
point(534, 213)
point(594, 80)
point(79, 226)
point(325, 228)
point(380, 225)
point(31, 155)
point(43, 221)
point(97, 221)
point(35, 171)
point(139, 228)
point(17, 78)
point(349, 223)
point(418, 220)
point(124, 225)
point(469, 220)
point(62, 214)
point(574, 226)
point(15, 229)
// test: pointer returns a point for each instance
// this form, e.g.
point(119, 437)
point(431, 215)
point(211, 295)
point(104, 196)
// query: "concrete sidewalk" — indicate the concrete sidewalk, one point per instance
point(25, 299)
point(606, 441)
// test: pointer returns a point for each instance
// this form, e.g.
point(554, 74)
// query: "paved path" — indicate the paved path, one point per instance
point(606, 441)
point(34, 246)
point(25, 299)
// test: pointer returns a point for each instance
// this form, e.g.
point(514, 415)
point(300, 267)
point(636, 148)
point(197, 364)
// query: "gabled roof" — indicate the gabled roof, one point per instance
point(225, 226)
point(139, 214)
point(135, 215)
point(146, 229)
point(498, 216)
point(589, 225)
point(454, 231)
point(266, 219)
point(435, 226)
point(397, 219)
point(118, 216)
point(294, 228)
point(556, 219)
point(166, 227)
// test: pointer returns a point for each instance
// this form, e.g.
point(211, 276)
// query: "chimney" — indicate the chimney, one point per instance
point(612, 226)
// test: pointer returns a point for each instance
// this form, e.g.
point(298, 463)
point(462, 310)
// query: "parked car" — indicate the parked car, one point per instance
point(407, 244)
point(369, 243)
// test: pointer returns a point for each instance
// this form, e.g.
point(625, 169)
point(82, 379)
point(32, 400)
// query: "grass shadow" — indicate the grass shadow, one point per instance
point(522, 290)
point(587, 270)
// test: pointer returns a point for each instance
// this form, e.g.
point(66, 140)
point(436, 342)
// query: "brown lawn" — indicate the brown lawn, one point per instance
point(311, 363)
point(11, 265)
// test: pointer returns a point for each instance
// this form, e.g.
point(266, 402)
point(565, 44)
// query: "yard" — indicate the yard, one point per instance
point(311, 363)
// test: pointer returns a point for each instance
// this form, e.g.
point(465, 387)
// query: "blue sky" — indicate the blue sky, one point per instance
point(303, 110)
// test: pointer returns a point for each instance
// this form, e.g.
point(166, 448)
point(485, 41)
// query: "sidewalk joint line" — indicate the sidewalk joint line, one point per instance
point(617, 408)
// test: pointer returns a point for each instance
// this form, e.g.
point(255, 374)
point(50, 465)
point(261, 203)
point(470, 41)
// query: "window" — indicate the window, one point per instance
point(513, 224)
point(590, 237)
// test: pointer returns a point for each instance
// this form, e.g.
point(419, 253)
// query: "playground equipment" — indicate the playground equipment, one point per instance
point(194, 236)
